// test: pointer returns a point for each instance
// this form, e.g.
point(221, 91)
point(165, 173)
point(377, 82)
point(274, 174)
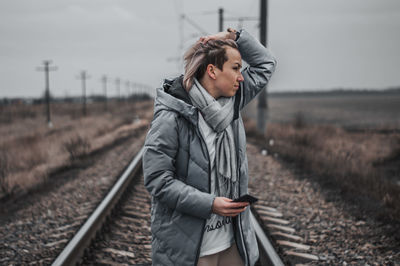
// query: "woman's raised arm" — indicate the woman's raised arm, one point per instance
point(261, 66)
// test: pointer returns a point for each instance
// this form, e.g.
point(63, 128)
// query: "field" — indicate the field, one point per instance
point(347, 110)
point(30, 151)
point(349, 141)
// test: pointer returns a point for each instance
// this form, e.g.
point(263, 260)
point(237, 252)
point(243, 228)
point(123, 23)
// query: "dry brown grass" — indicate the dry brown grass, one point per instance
point(77, 147)
point(352, 161)
point(29, 150)
point(4, 169)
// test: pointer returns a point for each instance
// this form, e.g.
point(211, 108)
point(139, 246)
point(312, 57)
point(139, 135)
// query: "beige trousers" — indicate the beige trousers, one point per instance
point(227, 257)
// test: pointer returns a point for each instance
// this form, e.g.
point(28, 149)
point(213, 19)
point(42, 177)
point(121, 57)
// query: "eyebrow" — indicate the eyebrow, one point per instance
point(238, 64)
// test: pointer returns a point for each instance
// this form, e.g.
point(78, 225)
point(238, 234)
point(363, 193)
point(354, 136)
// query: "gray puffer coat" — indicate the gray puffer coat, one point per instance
point(177, 170)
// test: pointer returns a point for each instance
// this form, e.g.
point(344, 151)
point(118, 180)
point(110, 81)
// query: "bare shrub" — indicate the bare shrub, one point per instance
point(103, 130)
point(5, 117)
point(4, 170)
point(251, 128)
point(27, 113)
point(299, 120)
point(303, 139)
point(26, 152)
point(12, 113)
point(395, 152)
point(31, 150)
point(345, 160)
point(77, 147)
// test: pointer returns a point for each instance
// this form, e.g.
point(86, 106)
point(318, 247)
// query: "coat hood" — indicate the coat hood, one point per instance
point(172, 96)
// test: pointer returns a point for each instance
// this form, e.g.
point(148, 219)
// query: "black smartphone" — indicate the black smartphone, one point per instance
point(246, 198)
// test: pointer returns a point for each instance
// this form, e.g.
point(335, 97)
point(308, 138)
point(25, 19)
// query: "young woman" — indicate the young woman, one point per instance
point(195, 161)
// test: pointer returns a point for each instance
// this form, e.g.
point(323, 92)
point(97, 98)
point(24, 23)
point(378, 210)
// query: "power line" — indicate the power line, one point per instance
point(182, 18)
point(194, 24)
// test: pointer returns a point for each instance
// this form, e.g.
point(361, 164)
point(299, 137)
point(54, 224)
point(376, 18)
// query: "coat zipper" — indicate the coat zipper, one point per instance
point(242, 236)
point(240, 214)
point(209, 189)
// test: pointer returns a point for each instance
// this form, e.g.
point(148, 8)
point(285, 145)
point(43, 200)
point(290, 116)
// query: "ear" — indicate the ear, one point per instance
point(211, 71)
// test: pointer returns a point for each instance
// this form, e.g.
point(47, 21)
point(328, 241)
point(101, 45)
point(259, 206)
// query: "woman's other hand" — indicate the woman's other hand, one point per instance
point(226, 207)
point(218, 36)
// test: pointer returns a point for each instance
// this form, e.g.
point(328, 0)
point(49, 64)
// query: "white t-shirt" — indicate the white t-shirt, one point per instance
point(218, 233)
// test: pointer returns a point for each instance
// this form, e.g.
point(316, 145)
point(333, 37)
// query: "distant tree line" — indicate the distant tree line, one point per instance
point(337, 92)
point(70, 99)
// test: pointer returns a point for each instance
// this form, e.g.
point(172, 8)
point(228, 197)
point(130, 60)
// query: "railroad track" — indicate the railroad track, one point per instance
point(118, 231)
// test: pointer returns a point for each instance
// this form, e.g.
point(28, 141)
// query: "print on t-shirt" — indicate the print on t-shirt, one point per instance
point(218, 224)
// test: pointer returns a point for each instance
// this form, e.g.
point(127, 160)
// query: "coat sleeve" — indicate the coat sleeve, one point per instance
point(159, 155)
point(261, 66)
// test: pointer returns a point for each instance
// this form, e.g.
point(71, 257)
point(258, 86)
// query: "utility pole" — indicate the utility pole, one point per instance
point(262, 112)
point(221, 19)
point(46, 70)
point(104, 80)
point(137, 88)
point(117, 85)
point(140, 86)
point(83, 76)
point(128, 88)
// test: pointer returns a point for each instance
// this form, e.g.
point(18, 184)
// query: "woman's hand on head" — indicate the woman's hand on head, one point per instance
point(218, 36)
point(226, 207)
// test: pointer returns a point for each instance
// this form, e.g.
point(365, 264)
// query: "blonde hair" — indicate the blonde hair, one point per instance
point(200, 55)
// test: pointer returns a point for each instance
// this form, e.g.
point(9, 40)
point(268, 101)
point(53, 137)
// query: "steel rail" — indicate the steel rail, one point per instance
point(73, 252)
point(268, 255)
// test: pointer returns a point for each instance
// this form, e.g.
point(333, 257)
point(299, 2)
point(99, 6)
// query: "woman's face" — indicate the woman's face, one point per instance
point(227, 80)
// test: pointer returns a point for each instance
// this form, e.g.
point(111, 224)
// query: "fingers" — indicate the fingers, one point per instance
point(205, 39)
point(220, 35)
point(226, 207)
point(233, 213)
point(238, 204)
point(230, 204)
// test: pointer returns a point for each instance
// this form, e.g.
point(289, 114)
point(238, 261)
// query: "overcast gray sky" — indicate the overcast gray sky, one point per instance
point(318, 44)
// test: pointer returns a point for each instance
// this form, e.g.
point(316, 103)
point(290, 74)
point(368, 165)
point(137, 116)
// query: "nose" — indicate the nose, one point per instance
point(240, 78)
